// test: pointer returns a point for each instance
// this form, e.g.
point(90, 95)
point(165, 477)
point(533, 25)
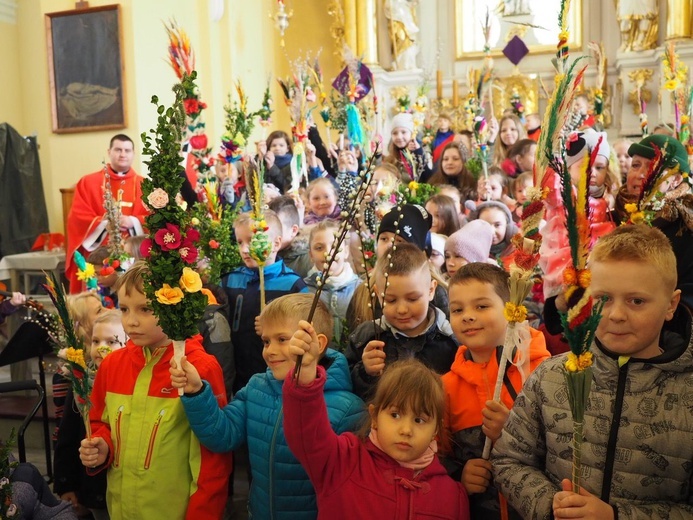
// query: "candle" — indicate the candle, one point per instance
point(455, 94)
point(439, 84)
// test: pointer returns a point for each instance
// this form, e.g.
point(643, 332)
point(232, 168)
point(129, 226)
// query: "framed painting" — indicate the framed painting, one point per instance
point(86, 69)
point(534, 21)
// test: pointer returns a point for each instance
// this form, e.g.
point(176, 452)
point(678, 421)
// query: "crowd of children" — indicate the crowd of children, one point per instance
point(409, 321)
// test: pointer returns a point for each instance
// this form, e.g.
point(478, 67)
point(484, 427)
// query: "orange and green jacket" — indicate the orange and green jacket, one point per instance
point(468, 386)
point(156, 466)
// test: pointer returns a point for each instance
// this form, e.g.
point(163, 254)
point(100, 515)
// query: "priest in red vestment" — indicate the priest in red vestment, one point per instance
point(86, 224)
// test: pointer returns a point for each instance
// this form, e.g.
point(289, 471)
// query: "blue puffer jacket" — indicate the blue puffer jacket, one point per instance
point(280, 488)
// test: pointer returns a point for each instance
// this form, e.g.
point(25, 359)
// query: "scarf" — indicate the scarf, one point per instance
point(283, 160)
point(417, 465)
point(312, 218)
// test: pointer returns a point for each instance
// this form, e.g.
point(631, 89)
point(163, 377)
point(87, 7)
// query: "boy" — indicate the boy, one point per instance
point(242, 287)
point(410, 325)
point(281, 488)
point(294, 248)
point(156, 466)
point(478, 294)
point(637, 458)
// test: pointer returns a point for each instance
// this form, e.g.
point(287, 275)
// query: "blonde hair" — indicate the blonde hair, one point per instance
point(409, 386)
point(133, 278)
point(273, 223)
point(135, 242)
point(79, 312)
point(323, 225)
point(109, 316)
point(638, 243)
point(295, 307)
point(500, 150)
point(322, 181)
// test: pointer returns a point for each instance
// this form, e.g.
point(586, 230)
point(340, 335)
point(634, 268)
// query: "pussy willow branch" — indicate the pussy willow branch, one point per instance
point(344, 228)
point(369, 286)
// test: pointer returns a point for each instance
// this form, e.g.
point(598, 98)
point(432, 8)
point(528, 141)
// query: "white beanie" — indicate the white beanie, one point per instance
point(403, 120)
point(438, 243)
point(580, 144)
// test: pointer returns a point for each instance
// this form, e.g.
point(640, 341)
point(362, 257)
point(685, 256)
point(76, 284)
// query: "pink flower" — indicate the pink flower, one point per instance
point(146, 247)
point(188, 253)
point(310, 95)
point(168, 238)
point(158, 198)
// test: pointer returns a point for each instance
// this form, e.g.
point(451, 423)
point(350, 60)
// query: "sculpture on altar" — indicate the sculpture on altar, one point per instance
point(515, 7)
point(404, 33)
point(638, 23)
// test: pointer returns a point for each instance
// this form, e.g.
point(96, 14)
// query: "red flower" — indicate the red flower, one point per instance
point(146, 247)
point(214, 244)
point(198, 142)
point(192, 234)
point(192, 106)
point(106, 270)
point(115, 264)
point(188, 253)
point(168, 238)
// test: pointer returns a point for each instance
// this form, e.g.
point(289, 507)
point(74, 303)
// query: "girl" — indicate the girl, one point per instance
point(322, 201)
point(497, 187)
point(277, 153)
point(520, 185)
point(452, 171)
point(391, 469)
point(511, 131)
point(470, 244)
point(504, 229)
point(339, 287)
point(444, 212)
point(405, 152)
point(623, 159)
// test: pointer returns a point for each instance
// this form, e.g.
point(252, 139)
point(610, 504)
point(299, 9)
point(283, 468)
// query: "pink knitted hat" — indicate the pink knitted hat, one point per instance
point(472, 242)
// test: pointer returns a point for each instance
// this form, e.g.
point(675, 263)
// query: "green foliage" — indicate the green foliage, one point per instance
point(162, 146)
point(475, 166)
point(419, 195)
point(216, 241)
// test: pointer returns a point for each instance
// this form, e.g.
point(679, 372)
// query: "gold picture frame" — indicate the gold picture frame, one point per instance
point(537, 26)
point(85, 62)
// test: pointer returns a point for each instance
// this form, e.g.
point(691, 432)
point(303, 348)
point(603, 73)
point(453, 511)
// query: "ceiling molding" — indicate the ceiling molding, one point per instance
point(8, 11)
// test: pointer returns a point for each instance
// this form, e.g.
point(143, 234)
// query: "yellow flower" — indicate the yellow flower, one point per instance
point(684, 119)
point(637, 218)
point(190, 280)
point(87, 273)
point(631, 207)
point(671, 85)
point(168, 295)
point(515, 313)
point(76, 355)
point(578, 363)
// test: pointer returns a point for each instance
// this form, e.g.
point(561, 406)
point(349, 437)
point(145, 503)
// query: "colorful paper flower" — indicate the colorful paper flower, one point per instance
point(157, 199)
point(86, 273)
point(168, 238)
point(168, 295)
point(190, 280)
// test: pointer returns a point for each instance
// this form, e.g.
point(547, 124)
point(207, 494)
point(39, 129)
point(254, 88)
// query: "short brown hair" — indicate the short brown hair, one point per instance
point(273, 223)
point(410, 385)
point(404, 259)
point(133, 278)
point(484, 273)
point(638, 243)
point(296, 307)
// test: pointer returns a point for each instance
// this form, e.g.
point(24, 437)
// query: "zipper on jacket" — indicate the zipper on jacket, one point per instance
point(613, 433)
point(152, 439)
point(271, 459)
point(118, 421)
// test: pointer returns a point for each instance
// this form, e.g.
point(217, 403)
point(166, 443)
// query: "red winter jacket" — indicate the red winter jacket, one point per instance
point(353, 478)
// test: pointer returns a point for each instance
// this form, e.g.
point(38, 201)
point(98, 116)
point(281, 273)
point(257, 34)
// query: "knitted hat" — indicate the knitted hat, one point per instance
point(403, 120)
point(438, 243)
point(475, 210)
point(675, 153)
point(581, 143)
point(414, 224)
point(472, 242)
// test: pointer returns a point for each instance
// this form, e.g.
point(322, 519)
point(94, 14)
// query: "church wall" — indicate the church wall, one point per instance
point(11, 98)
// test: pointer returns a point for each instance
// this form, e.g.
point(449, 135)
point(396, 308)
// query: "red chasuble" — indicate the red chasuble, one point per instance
point(87, 213)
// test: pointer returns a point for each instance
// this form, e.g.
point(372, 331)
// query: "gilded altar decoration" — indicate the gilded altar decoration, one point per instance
point(404, 33)
point(639, 94)
point(638, 23)
point(526, 88)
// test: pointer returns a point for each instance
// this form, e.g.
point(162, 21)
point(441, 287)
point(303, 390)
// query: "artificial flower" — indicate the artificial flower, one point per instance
point(87, 273)
point(214, 244)
point(146, 247)
point(180, 201)
point(515, 313)
point(76, 355)
point(192, 235)
point(578, 363)
point(188, 253)
point(168, 237)
point(671, 85)
point(168, 295)
point(198, 142)
point(190, 280)
point(158, 198)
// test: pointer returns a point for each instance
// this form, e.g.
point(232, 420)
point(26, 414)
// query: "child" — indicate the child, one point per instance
point(478, 294)
point(437, 258)
point(511, 131)
point(277, 153)
point(405, 152)
point(140, 433)
point(341, 283)
point(322, 201)
point(444, 213)
point(636, 454)
point(71, 480)
point(444, 132)
point(452, 171)
point(533, 125)
point(520, 158)
point(132, 246)
point(381, 195)
point(520, 185)
point(280, 489)
point(504, 229)
point(410, 325)
point(470, 244)
point(242, 287)
point(391, 469)
point(621, 147)
point(294, 247)
point(347, 176)
point(495, 188)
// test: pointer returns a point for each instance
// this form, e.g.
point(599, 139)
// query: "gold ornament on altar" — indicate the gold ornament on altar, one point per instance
point(404, 33)
point(281, 19)
point(639, 93)
point(638, 23)
point(337, 29)
point(527, 89)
